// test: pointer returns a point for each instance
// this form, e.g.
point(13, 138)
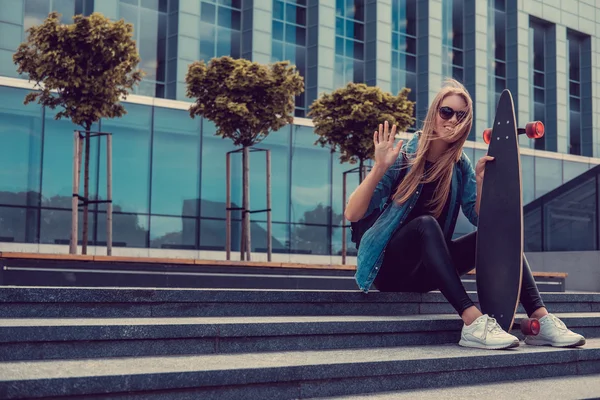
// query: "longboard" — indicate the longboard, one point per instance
point(499, 254)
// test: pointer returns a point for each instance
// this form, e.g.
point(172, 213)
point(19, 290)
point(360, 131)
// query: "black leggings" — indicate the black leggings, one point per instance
point(418, 259)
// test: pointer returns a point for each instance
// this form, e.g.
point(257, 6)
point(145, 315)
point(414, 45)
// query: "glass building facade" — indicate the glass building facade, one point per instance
point(169, 170)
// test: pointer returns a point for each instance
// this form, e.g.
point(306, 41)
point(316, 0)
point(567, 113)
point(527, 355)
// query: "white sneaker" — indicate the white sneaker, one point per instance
point(553, 332)
point(486, 333)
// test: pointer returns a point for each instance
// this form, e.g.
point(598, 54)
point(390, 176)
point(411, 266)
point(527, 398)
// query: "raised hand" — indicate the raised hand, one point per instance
point(385, 152)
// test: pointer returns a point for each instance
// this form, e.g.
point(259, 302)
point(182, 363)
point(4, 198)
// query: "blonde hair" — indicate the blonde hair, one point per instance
point(442, 169)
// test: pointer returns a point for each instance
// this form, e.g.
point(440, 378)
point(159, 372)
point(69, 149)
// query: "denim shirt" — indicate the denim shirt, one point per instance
point(371, 252)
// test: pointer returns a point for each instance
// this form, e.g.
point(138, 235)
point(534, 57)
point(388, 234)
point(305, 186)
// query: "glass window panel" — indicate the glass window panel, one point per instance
point(55, 227)
point(19, 224)
point(538, 47)
point(572, 169)
point(279, 145)
point(411, 45)
point(411, 63)
point(129, 230)
point(359, 51)
point(528, 179)
point(278, 9)
point(208, 13)
point(130, 158)
point(574, 89)
point(310, 174)
point(173, 232)
point(213, 180)
point(336, 243)
point(207, 41)
point(277, 49)
point(224, 17)
point(57, 181)
point(290, 13)
point(411, 17)
point(548, 175)
point(538, 95)
point(338, 186)
point(339, 26)
point(359, 6)
point(175, 163)
point(457, 23)
point(11, 14)
point(279, 237)
point(538, 79)
point(570, 219)
point(309, 239)
point(339, 46)
point(500, 69)
point(20, 154)
point(500, 86)
point(290, 33)
point(300, 36)
point(457, 58)
point(277, 30)
point(36, 12)
point(532, 227)
point(574, 132)
point(574, 104)
point(224, 42)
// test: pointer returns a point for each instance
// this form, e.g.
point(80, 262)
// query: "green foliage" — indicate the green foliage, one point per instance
point(346, 119)
point(245, 100)
point(84, 68)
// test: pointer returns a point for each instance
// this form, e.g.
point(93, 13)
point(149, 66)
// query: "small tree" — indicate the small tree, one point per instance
point(246, 101)
point(346, 119)
point(85, 68)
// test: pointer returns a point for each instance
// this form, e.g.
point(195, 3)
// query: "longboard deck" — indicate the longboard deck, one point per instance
point(499, 258)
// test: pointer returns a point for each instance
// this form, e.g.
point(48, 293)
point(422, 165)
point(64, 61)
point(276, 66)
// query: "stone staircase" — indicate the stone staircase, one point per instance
point(174, 343)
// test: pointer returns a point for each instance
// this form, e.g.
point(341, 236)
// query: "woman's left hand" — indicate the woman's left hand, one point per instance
point(480, 167)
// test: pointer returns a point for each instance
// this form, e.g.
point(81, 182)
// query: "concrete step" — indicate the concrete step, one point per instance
point(44, 339)
point(564, 388)
point(71, 273)
point(48, 302)
point(291, 375)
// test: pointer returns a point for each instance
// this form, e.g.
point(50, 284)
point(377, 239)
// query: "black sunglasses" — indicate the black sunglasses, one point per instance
point(447, 113)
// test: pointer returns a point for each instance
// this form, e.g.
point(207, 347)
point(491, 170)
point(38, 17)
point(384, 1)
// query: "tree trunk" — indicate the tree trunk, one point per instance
point(86, 189)
point(246, 202)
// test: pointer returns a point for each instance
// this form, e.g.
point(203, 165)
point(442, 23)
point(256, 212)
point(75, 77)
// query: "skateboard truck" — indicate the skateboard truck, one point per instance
point(530, 326)
point(533, 130)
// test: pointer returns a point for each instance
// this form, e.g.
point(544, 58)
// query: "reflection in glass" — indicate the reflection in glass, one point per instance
point(452, 39)
point(213, 181)
point(309, 239)
point(19, 225)
point(131, 159)
point(21, 150)
point(279, 145)
point(129, 230)
point(570, 219)
point(175, 163)
point(311, 171)
point(55, 227)
point(336, 242)
point(57, 177)
point(173, 232)
point(212, 235)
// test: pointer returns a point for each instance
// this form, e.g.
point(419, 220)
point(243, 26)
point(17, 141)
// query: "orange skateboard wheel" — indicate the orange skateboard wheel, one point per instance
point(534, 130)
point(487, 135)
point(530, 326)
